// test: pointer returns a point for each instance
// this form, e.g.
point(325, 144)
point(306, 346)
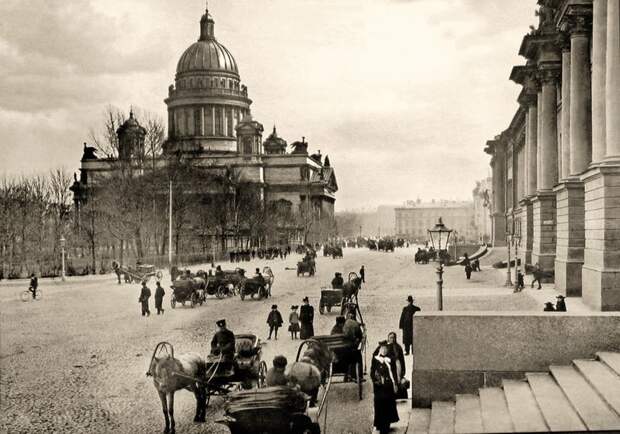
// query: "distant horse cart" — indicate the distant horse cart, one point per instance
point(340, 297)
point(139, 273)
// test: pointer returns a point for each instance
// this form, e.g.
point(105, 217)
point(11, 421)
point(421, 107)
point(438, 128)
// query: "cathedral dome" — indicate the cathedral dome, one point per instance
point(207, 54)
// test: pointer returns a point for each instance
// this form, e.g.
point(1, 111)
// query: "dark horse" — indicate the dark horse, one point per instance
point(349, 292)
point(171, 374)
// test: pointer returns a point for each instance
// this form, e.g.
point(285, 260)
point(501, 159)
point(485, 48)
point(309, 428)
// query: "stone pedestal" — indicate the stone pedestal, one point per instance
point(527, 227)
point(543, 231)
point(570, 237)
point(601, 268)
point(499, 230)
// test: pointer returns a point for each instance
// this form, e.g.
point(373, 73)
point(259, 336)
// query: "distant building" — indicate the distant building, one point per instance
point(415, 218)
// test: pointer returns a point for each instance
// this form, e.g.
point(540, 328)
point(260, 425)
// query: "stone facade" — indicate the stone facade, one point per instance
point(570, 162)
point(413, 221)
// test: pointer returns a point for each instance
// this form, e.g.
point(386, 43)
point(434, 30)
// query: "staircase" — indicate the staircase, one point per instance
point(584, 396)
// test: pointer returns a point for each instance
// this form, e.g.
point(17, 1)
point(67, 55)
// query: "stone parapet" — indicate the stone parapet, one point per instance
point(601, 268)
point(543, 231)
point(570, 241)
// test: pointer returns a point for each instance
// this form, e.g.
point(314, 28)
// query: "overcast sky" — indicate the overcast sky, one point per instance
point(402, 94)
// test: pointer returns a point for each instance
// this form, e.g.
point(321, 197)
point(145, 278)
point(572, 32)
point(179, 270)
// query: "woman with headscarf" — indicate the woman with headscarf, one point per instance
point(384, 388)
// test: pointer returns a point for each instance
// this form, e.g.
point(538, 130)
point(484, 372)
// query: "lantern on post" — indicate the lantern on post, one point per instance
point(440, 236)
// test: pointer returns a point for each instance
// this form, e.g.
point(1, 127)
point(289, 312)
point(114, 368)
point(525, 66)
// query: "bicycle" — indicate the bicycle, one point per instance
point(27, 295)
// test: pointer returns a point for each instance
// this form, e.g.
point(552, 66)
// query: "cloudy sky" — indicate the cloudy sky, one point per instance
point(402, 94)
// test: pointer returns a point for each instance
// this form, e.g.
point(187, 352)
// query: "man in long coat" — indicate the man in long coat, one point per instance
point(159, 298)
point(223, 343)
point(306, 318)
point(145, 294)
point(406, 324)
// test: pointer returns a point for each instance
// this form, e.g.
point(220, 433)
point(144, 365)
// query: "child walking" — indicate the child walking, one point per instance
point(293, 320)
point(274, 320)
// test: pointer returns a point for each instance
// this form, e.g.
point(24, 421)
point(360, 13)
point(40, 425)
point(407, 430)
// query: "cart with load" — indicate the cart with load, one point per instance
point(141, 273)
point(306, 266)
point(183, 290)
point(339, 297)
point(259, 285)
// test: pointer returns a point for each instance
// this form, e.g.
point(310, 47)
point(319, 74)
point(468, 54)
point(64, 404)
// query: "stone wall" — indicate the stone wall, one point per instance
point(459, 352)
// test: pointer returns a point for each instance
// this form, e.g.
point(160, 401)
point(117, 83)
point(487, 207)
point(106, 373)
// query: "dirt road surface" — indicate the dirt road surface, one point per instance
point(75, 361)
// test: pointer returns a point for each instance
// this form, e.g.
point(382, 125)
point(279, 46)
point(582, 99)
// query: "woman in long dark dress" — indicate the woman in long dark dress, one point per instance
point(396, 355)
point(384, 388)
point(306, 318)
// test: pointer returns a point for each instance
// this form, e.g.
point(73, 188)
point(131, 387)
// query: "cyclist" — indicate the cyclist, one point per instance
point(34, 283)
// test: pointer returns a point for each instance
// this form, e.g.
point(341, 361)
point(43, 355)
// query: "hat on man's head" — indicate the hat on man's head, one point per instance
point(383, 343)
point(305, 299)
point(279, 361)
point(561, 297)
point(221, 323)
point(257, 270)
point(294, 307)
point(410, 298)
point(274, 306)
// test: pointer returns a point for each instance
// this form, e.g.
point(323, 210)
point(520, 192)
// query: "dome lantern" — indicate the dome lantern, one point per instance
point(207, 26)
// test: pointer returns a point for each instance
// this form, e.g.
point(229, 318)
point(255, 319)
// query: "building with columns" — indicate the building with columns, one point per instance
point(210, 125)
point(556, 168)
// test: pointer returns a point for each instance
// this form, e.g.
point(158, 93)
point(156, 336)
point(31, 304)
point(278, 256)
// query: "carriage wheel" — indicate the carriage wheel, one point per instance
point(220, 292)
point(260, 293)
point(352, 275)
point(262, 375)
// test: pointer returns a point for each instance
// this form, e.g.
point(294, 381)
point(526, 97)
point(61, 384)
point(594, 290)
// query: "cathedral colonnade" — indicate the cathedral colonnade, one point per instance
point(556, 169)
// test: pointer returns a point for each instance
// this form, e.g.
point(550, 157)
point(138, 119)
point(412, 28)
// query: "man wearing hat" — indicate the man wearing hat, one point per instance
point(223, 343)
point(337, 329)
point(145, 294)
point(337, 281)
point(306, 318)
point(406, 324)
point(549, 307)
point(275, 376)
point(274, 319)
point(560, 306)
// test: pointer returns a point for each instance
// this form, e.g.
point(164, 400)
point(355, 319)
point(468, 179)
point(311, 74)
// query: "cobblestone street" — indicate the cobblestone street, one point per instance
point(75, 361)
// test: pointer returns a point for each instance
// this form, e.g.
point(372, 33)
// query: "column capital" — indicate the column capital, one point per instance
point(549, 72)
point(578, 26)
point(575, 18)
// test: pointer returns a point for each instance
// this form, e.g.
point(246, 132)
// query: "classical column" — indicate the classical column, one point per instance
point(549, 133)
point(580, 94)
point(599, 49)
point(202, 120)
point(532, 145)
point(612, 77)
point(539, 111)
point(498, 163)
point(566, 110)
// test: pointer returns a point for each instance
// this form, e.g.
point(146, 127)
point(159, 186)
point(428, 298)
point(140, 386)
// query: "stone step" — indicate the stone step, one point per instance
point(524, 411)
point(442, 418)
point(495, 415)
point(555, 407)
point(595, 413)
point(610, 359)
point(605, 381)
point(467, 417)
point(419, 421)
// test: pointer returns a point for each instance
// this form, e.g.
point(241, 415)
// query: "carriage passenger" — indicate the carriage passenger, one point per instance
point(337, 281)
point(276, 376)
point(352, 330)
point(218, 271)
point(337, 329)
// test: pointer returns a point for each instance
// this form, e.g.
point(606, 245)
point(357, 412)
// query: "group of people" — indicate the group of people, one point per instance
point(537, 273)
point(246, 255)
point(145, 295)
point(560, 305)
point(470, 265)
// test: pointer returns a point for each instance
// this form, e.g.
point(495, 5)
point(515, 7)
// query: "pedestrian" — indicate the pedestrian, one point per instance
point(274, 319)
point(395, 352)
point(145, 294)
point(275, 376)
point(520, 281)
point(560, 305)
point(549, 307)
point(117, 271)
point(34, 284)
point(406, 324)
point(159, 298)
point(537, 275)
point(384, 389)
point(476, 265)
point(363, 274)
point(293, 322)
point(306, 318)
point(468, 270)
point(337, 329)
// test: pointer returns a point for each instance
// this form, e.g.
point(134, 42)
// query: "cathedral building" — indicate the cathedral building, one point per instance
point(556, 168)
point(210, 124)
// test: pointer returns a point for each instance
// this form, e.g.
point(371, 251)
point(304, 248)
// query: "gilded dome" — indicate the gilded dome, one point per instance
point(207, 54)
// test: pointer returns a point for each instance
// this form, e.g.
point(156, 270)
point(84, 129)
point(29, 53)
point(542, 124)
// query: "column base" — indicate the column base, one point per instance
point(570, 236)
point(601, 268)
point(499, 230)
point(544, 237)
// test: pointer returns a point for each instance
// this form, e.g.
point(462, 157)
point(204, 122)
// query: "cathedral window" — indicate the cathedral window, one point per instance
point(229, 122)
point(186, 122)
point(218, 121)
point(208, 122)
point(197, 123)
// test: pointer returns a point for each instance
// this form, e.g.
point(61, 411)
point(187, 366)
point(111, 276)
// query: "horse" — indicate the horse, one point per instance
point(163, 370)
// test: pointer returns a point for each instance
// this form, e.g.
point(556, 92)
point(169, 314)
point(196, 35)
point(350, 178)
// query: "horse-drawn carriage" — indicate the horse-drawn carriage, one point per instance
point(205, 378)
point(333, 251)
point(184, 290)
point(386, 245)
point(306, 266)
point(340, 296)
point(139, 273)
point(260, 286)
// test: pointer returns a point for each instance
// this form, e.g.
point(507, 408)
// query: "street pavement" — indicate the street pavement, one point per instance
point(75, 361)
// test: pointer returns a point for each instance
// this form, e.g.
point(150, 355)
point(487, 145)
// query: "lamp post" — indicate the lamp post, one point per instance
point(62, 255)
point(438, 234)
point(509, 238)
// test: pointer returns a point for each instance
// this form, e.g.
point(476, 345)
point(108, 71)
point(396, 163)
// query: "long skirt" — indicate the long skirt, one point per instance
point(307, 330)
point(385, 407)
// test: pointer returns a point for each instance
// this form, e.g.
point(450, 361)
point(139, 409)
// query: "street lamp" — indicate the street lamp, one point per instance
point(439, 234)
point(62, 253)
